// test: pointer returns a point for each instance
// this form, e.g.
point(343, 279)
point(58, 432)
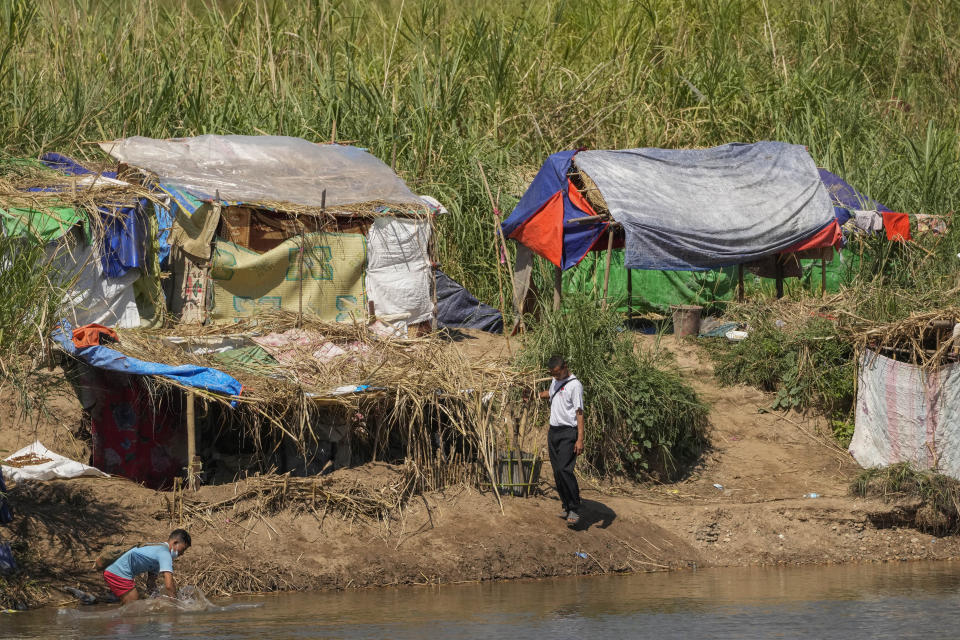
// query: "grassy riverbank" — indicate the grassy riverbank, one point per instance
point(434, 88)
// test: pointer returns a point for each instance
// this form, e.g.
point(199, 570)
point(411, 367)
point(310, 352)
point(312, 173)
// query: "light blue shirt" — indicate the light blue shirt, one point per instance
point(154, 558)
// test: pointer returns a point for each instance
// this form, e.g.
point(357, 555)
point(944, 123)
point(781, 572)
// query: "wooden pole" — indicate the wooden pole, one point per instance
point(740, 289)
point(431, 255)
point(629, 295)
point(557, 288)
point(823, 276)
point(193, 461)
point(779, 275)
point(606, 268)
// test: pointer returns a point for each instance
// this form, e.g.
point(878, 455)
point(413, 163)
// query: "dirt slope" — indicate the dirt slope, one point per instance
point(765, 463)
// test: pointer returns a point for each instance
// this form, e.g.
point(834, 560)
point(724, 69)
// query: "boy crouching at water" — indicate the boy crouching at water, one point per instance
point(151, 559)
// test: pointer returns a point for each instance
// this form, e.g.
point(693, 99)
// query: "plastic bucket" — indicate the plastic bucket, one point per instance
point(686, 320)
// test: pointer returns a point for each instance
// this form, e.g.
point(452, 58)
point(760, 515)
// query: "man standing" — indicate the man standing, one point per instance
point(151, 559)
point(565, 438)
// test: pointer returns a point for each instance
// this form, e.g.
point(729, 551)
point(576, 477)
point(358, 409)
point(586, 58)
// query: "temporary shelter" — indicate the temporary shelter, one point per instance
point(281, 223)
point(692, 219)
point(656, 290)
point(298, 288)
point(908, 395)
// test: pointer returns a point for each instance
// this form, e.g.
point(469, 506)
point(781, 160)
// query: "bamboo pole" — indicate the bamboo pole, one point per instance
point(823, 276)
point(501, 246)
point(740, 288)
point(557, 288)
point(779, 275)
point(192, 460)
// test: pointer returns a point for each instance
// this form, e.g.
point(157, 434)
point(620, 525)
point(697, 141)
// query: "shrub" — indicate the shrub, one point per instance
point(642, 420)
point(808, 366)
point(938, 494)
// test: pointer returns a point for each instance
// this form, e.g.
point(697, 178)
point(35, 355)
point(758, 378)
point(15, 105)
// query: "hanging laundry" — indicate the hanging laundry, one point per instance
point(897, 226)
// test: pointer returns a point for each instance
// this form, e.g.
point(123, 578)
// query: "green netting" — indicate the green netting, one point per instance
point(655, 291)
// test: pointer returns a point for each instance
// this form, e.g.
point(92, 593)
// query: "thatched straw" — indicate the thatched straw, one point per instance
point(100, 200)
point(262, 496)
point(370, 209)
point(589, 189)
point(924, 339)
point(446, 410)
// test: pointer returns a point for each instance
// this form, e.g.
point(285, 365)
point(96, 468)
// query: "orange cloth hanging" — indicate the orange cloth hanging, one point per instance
point(897, 226)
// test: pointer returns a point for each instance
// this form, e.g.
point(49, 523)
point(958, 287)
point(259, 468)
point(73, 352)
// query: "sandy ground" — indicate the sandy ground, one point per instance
point(765, 463)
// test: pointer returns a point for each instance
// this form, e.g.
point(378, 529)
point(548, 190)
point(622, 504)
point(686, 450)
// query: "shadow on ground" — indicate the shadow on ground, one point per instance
point(594, 513)
point(53, 521)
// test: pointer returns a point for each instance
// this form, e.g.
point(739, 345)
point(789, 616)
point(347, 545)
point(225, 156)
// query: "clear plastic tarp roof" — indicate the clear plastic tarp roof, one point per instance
point(265, 169)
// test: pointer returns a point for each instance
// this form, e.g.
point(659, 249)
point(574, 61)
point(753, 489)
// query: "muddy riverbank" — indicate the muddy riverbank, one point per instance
point(763, 463)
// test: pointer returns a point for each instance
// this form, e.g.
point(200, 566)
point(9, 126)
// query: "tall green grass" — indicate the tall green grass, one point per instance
point(433, 86)
point(32, 292)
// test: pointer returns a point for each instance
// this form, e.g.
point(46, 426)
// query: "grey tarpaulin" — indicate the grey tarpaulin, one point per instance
point(266, 169)
point(458, 308)
point(688, 209)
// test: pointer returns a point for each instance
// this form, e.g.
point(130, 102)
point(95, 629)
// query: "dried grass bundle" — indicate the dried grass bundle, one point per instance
point(451, 413)
point(226, 575)
point(925, 339)
point(369, 209)
point(262, 496)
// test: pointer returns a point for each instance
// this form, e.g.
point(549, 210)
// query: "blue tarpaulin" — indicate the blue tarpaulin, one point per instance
point(112, 360)
point(180, 200)
point(551, 182)
point(458, 308)
point(845, 198)
point(123, 241)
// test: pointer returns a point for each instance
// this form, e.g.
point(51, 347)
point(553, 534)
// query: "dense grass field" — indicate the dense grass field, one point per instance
point(433, 87)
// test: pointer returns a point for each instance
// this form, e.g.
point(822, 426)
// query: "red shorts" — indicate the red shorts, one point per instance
point(118, 585)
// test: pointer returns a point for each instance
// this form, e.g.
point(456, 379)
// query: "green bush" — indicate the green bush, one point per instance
point(809, 367)
point(642, 420)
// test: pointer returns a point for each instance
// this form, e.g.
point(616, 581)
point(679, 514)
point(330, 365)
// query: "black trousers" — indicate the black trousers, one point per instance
point(560, 441)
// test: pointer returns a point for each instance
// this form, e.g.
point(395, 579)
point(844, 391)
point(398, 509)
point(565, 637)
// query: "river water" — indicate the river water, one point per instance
point(906, 600)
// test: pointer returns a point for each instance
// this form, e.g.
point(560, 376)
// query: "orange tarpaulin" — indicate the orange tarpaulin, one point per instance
point(543, 231)
point(91, 335)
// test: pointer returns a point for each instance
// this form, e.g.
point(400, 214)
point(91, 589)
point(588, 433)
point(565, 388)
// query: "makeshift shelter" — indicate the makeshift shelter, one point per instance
point(761, 206)
point(270, 222)
point(908, 395)
point(657, 290)
point(291, 334)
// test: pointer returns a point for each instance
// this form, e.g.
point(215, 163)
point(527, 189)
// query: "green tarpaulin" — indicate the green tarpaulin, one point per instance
point(655, 291)
point(45, 226)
